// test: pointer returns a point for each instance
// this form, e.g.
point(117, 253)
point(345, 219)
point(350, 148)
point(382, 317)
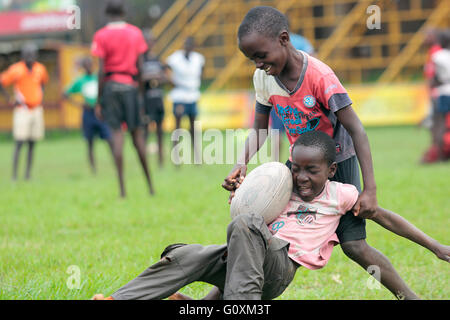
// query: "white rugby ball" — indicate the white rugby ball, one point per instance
point(266, 190)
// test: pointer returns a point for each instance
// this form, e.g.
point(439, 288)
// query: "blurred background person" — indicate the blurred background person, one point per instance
point(301, 43)
point(120, 47)
point(28, 77)
point(154, 76)
point(87, 86)
point(433, 46)
point(187, 68)
point(441, 82)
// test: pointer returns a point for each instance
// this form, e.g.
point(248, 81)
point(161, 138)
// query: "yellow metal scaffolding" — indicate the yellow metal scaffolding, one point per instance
point(337, 29)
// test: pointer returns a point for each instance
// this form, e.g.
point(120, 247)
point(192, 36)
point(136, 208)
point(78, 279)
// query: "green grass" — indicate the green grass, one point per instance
point(66, 216)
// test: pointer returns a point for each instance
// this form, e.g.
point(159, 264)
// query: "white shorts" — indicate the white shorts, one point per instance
point(28, 124)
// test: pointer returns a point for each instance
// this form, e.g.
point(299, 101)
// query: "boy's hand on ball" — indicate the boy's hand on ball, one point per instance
point(235, 178)
point(442, 252)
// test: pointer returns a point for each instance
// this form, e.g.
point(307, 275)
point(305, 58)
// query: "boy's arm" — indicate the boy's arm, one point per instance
point(69, 98)
point(101, 81)
point(402, 227)
point(139, 65)
point(367, 203)
point(74, 88)
point(253, 143)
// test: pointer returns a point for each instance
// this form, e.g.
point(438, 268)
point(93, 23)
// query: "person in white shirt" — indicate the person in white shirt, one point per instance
point(187, 67)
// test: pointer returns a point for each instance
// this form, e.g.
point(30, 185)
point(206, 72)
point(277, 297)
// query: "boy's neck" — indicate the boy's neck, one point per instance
point(292, 70)
point(116, 21)
point(29, 64)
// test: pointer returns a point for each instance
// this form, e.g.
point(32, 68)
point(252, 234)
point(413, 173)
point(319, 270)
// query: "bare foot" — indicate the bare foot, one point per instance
point(99, 296)
point(179, 296)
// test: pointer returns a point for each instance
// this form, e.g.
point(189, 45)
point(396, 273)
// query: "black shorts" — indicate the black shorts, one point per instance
point(120, 104)
point(153, 109)
point(350, 228)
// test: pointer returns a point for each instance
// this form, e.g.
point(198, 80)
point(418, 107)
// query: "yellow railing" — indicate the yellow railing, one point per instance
point(349, 21)
point(441, 12)
point(336, 28)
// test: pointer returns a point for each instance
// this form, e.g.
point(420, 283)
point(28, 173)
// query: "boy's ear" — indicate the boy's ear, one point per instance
point(284, 37)
point(332, 170)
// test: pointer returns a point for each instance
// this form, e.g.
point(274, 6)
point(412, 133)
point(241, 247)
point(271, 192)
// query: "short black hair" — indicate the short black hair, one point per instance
point(263, 20)
point(444, 38)
point(319, 140)
point(115, 8)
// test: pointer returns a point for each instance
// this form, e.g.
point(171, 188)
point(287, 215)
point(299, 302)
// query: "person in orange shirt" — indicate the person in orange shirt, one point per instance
point(28, 77)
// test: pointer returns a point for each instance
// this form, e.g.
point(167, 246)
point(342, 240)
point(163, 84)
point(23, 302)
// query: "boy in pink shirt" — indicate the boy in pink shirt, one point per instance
point(260, 261)
point(310, 227)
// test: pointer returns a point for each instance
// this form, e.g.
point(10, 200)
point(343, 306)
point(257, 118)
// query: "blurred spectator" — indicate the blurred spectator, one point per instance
point(433, 46)
point(87, 86)
point(120, 47)
point(28, 77)
point(301, 43)
point(187, 68)
point(441, 80)
point(154, 77)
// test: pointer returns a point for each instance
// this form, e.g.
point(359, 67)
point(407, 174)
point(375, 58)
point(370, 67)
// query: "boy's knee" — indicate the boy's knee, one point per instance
point(355, 250)
point(240, 222)
point(246, 222)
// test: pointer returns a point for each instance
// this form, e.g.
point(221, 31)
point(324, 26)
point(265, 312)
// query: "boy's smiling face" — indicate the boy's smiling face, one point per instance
point(268, 54)
point(310, 171)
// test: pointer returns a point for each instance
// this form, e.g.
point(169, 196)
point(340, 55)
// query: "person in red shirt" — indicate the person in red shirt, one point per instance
point(120, 47)
point(28, 77)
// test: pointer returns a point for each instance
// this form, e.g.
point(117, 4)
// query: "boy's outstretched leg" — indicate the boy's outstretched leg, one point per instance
point(363, 254)
point(178, 267)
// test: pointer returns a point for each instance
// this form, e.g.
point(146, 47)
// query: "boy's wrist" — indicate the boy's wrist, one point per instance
point(433, 246)
point(370, 188)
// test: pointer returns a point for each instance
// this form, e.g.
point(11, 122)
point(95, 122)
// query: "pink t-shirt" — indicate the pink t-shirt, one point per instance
point(310, 227)
point(120, 45)
point(310, 106)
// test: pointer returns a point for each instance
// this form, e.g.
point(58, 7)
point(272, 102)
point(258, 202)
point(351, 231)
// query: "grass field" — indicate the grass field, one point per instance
point(67, 217)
